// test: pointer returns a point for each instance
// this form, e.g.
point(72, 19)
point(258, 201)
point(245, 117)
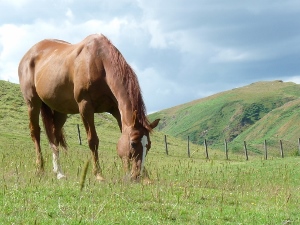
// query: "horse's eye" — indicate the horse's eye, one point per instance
point(133, 144)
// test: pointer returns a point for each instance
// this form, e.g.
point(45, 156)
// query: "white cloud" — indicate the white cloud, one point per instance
point(158, 39)
point(69, 14)
point(12, 39)
point(16, 3)
point(15, 40)
point(230, 55)
point(182, 49)
point(160, 90)
point(295, 79)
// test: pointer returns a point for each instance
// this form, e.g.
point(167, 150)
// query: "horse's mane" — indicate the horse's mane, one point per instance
point(129, 79)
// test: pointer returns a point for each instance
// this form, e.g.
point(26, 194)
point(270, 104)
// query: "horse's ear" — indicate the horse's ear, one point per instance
point(133, 118)
point(154, 123)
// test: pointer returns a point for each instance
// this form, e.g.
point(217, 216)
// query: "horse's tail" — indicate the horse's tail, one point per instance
point(48, 121)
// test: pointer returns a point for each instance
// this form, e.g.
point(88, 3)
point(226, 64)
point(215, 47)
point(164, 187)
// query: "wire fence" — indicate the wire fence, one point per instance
point(265, 151)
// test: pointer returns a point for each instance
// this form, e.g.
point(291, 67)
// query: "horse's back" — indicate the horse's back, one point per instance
point(59, 72)
point(46, 54)
point(49, 50)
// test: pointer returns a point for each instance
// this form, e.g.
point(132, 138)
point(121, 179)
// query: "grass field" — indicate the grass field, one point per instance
point(184, 190)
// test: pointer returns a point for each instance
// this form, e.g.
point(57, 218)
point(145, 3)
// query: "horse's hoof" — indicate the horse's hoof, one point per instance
point(100, 178)
point(40, 172)
point(147, 181)
point(61, 176)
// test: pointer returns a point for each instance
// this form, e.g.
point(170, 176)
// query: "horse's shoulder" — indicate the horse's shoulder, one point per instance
point(97, 44)
point(97, 37)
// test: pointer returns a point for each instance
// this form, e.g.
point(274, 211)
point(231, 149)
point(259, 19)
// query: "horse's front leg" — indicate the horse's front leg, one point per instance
point(126, 164)
point(139, 171)
point(87, 115)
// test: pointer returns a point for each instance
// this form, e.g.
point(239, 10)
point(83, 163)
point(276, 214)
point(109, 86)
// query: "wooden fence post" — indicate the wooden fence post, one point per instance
point(79, 137)
point(166, 144)
point(226, 149)
point(188, 146)
point(246, 151)
point(206, 151)
point(266, 150)
point(299, 145)
point(281, 149)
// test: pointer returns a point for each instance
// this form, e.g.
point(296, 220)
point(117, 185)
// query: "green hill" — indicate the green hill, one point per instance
point(184, 190)
point(282, 123)
point(14, 122)
point(237, 115)
point(14, 130)
point(259, 111)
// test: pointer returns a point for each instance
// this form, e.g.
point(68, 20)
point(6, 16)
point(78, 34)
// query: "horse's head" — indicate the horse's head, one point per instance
point(134, 145)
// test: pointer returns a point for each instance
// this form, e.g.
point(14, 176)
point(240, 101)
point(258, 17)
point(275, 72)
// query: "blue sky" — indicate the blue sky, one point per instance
point(181, 50)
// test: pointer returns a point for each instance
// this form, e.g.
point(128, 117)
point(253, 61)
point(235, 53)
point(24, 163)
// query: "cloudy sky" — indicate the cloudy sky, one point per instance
point(181, 50)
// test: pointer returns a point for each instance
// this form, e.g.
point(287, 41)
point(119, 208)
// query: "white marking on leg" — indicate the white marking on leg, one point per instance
point(144, 143)
point(56, 165)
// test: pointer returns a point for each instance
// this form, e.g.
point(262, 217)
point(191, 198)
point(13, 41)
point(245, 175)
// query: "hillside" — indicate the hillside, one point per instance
point(263, 110)
point(14, 120)
point(230, 115)
point(14, 130)
point(282, 123)
point(183, 190)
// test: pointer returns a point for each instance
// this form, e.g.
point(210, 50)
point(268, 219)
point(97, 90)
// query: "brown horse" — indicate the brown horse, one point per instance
point(58, 78)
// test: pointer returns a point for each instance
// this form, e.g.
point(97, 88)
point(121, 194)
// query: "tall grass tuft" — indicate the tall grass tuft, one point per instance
point(84, 172)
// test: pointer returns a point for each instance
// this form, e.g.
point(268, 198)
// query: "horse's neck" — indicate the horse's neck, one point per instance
point(121, 94)
point(126, 115)
point(124, 103)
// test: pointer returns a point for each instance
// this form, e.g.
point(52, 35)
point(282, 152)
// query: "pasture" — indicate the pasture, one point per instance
point(184, 190)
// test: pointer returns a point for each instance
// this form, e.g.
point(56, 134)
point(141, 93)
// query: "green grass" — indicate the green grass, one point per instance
point(184, 190)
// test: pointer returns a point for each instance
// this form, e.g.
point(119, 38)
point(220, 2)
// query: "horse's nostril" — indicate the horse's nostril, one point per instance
point(133, 144)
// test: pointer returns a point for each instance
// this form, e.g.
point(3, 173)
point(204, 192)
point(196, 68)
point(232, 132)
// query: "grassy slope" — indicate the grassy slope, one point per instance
point(14, 124)
point(185, 190)
point(228, 114)
point(280, 124)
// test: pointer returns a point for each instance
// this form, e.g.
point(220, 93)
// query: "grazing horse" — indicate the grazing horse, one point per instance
point(58, 78)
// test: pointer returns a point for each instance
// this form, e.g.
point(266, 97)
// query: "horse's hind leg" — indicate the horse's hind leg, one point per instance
point(34, 106)
point(59, 120)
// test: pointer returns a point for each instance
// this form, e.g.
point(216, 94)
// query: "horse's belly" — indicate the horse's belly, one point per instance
point(60, 99)
point(67, 106)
